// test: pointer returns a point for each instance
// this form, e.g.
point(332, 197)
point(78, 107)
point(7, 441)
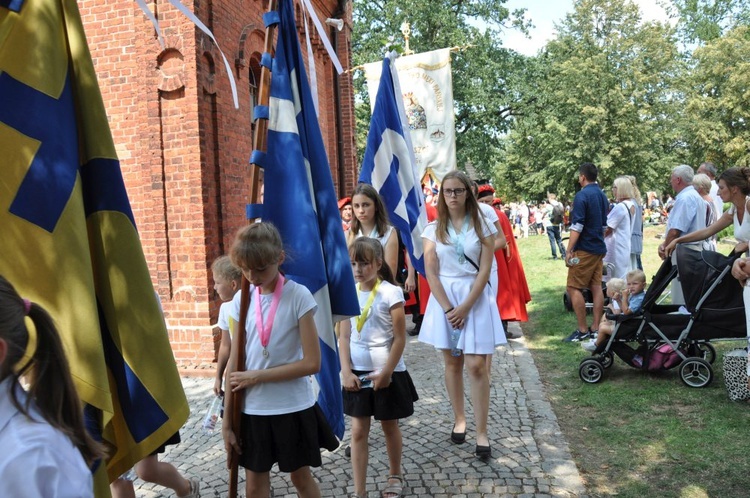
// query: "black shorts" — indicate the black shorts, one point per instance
point(293, 440)
point(394, 402)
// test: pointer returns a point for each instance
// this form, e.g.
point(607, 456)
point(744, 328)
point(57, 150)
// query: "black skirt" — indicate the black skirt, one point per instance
point(293, 440)
point(174, 439)
point(394, 402)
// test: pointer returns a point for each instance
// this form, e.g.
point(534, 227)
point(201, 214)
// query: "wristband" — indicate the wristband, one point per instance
point(449, 310)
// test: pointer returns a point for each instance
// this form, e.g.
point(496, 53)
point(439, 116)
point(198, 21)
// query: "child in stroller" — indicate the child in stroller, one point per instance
point(626, 297)
point(672, 335)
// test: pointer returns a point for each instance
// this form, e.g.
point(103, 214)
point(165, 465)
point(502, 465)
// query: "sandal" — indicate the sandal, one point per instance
point(393, 489)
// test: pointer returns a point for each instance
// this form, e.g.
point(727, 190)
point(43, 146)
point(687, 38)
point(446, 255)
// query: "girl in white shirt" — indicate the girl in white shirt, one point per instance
point(375, 382)
point(281, 422)
point(371, 220)
point(45, 447)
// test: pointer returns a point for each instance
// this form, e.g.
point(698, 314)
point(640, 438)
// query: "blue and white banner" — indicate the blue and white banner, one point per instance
point(389, 165)
point(428, 100)
point(300, 200)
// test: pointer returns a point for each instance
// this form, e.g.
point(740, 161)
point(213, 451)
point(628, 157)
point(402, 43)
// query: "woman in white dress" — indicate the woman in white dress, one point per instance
point(462, 318)
point(619, 231)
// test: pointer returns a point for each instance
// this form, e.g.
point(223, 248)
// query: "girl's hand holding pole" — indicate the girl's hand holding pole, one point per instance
point(242, 380)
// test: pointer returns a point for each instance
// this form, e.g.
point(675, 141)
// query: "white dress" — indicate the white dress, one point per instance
point(742, 234)
point(619, 243)
point(483, 329)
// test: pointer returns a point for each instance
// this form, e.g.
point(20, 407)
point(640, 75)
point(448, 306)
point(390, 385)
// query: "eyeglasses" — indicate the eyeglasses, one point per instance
point(454, 192)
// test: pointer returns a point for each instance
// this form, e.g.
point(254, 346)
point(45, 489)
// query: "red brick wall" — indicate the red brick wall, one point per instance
point(184, 148)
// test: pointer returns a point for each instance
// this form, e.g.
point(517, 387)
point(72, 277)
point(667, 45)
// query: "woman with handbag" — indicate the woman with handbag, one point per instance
point(462, 319)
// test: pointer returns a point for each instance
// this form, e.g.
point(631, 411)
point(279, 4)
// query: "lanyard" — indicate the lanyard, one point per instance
point(457, 238)
point(361, 319)
point(264, 332)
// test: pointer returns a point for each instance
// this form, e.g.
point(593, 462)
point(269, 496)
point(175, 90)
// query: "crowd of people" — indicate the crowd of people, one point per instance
point(606, 239)
point(473, 287)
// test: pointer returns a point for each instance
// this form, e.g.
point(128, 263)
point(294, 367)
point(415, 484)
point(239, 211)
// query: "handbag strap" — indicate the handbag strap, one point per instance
point(475, 266)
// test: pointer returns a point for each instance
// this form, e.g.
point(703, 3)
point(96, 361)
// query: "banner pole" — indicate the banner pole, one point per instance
point(259, 144)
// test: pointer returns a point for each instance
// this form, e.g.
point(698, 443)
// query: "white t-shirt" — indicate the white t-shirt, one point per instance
point(284, 346)
point(226, 320)
point(37, 460)
point(369, 349)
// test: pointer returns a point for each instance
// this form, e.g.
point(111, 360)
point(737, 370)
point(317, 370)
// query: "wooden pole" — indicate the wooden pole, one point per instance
point(259, 143)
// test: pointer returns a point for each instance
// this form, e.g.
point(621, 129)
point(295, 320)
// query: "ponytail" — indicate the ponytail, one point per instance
point(46, 368)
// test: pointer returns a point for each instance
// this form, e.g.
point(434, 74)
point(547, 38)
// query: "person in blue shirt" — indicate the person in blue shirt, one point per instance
point(586, 250)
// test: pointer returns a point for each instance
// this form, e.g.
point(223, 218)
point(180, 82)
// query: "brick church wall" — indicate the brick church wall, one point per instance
point(184, 148)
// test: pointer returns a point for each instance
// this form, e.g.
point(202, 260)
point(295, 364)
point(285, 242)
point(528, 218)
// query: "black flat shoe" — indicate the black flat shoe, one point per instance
point(458, 437)
point(483, 452)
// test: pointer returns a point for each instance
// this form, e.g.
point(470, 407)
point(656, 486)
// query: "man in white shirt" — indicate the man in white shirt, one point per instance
point(686, 216)
point(709, 169)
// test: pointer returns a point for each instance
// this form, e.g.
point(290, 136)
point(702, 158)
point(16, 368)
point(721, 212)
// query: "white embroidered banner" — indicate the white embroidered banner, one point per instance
point(427, 91)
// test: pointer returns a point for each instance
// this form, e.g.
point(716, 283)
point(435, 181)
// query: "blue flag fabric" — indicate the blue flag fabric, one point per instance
point(69, 240)
point(300, 200)
point(389, 165)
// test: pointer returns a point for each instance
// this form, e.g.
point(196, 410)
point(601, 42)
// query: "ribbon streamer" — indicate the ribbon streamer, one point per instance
point(322, 33)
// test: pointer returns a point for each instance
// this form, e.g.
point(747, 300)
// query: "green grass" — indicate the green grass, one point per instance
point(634, 434)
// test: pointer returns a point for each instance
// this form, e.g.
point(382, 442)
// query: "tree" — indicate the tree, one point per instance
point(701, 21)
point(717, 107)
point(482, 102)
point(603, 93)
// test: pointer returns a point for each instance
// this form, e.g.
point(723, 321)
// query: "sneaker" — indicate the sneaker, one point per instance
point(589, 345)
point(577, 336)
point(638, 361)
point(195, 488)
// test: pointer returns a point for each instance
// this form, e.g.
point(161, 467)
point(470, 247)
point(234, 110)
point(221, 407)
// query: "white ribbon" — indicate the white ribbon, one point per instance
point(207, 31)
point(186, 12)
point(152, 18)
point(322, 33)
point(313, 77)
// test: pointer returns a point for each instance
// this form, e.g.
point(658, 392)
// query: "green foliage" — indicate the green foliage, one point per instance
point(602, 93)
point(701, 21)
point(716, 100)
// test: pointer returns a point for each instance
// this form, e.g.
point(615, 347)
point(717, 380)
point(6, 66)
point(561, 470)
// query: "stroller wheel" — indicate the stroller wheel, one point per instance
point(696, 372)
point(706, 351)
point(591, 371)
point(607, 359)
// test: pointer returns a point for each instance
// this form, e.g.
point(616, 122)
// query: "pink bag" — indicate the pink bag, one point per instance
point(663, 358)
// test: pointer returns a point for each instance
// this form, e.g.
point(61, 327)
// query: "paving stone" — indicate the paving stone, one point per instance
point(530, 455)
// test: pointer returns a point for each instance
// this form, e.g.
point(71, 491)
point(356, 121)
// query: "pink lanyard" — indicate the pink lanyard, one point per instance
point(264, 332)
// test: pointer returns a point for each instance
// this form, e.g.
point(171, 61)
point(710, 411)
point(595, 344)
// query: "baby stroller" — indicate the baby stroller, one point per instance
point(713, 310)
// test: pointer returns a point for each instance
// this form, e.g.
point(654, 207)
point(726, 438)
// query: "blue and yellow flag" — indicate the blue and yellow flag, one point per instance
point(68, 239)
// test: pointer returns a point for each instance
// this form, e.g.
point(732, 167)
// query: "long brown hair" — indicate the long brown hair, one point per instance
point(50, 383)
point(381, 215)
point(470, 205)
point(737, 177)
point(369, 250)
